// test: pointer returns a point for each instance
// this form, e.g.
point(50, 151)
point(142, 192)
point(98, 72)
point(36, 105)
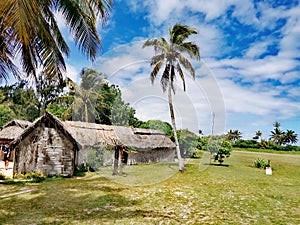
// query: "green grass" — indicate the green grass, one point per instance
point(157, 194)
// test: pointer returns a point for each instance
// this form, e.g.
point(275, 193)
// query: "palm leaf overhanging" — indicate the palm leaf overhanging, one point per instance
point(30, 30)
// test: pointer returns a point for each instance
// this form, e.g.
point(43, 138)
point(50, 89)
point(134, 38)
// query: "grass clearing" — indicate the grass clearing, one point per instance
point(158, 194)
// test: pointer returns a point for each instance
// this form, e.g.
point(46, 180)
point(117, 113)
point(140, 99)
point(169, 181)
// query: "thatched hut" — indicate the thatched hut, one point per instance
point(45, 146)
point(93, 136)
point(145, 145)
point(10, 131)
point(57, 147)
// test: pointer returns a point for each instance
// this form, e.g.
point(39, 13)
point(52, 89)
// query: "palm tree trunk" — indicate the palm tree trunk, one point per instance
point(180, 161)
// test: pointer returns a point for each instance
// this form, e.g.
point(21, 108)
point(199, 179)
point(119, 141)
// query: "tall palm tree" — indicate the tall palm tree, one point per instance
point(258, 135)
point(171, 55)
point(29, 29)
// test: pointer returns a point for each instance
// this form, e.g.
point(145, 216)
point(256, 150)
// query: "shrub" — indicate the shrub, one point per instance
point(261, 163)
point(2, 176)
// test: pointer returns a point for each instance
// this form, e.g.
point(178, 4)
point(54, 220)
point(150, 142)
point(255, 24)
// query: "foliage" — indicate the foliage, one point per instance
point(224, 150)
point(94, 159)
point(35, 177)
point(38, 40)
point(234, 135)
point(2, 176)
point(20, 100)
point(187, 142)
point(158, 125)
point(261, 163)
point(241, 143)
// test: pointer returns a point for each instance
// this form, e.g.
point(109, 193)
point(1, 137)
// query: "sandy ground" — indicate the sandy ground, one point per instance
point(9, 171)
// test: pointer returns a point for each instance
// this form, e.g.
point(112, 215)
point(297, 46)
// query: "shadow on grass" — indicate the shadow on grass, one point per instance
point(216, 164)
point(67, 201)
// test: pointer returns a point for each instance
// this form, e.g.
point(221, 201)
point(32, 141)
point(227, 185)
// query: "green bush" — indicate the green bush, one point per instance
point(261, 163)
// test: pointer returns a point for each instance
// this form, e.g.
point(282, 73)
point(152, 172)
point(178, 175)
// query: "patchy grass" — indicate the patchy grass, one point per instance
point(237, 194)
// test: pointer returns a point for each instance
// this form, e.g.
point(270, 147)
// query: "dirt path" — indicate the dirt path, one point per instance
point(9, 172)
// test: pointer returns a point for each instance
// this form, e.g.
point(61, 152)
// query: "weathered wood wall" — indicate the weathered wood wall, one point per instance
point(151, 156)
point(45, 150)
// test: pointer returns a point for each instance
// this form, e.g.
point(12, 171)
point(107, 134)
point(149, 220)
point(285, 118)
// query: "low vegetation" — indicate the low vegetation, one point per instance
point(238, 193)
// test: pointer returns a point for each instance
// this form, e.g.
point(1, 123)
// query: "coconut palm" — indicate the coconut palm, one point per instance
point(277, 136)
point(171, 56)
point(258, 135)
point(85, 97)
point(29, 29)
point(290, 137)
point(234, 135)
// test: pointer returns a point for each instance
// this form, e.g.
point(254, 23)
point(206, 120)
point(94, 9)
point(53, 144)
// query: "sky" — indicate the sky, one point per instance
point(248, 76)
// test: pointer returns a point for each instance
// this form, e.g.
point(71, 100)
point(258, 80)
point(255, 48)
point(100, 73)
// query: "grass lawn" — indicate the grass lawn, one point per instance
point(158, 194)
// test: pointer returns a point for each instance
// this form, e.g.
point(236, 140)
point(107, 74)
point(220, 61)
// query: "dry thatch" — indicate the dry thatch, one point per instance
point(13, 129)
point(142, 139)
point(90, 134)
point(51, 121)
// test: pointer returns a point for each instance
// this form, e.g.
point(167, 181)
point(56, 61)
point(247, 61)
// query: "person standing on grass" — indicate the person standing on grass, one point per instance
point(6, 151)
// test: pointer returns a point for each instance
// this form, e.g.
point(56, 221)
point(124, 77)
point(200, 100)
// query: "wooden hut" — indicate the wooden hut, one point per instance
point(57, 147)
point(10, 131)
point(45, 146)
point(145, 145)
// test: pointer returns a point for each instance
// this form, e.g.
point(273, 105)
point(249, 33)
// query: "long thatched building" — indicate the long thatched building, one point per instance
point(57, 147)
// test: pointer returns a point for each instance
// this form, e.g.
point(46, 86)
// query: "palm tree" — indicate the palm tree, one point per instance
point(277, 136)
point(83, 106)
point(290, 137)
point(234, 135)
point(170, 55)
point(29, 29)
point(258, 135)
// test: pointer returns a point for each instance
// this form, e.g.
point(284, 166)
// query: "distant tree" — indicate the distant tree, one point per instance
point(258, 135)
point(290, 137)
point(234, 135)
point(21, 100)
point(47, 90)
point(219, 148)
point(159, 125)
point(187, 142)
point(171, 55)
point(277, 136)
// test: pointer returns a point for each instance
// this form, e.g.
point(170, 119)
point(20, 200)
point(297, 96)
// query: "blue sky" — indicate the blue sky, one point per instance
point(248, 76)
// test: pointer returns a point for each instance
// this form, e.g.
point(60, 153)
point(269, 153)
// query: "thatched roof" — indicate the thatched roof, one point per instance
point(13, 129)
point(51, 120)
point(89, 134)
point(142, 139)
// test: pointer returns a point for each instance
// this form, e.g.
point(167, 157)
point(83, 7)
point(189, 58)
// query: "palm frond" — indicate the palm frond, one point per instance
point(191, 48)
point(157, 58)
point(165, 78)
point(159, 44)
point(181, 32)
point(82, 26)
point(179, 70)
point(155, 71)
point(186, 64)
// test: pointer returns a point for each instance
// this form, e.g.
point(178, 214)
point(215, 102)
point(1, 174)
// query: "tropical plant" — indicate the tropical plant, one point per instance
point(258, 135)
point(277, 136)
point(171, 56)
point(234, 135)
point(29, 29)
point(290, 137)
